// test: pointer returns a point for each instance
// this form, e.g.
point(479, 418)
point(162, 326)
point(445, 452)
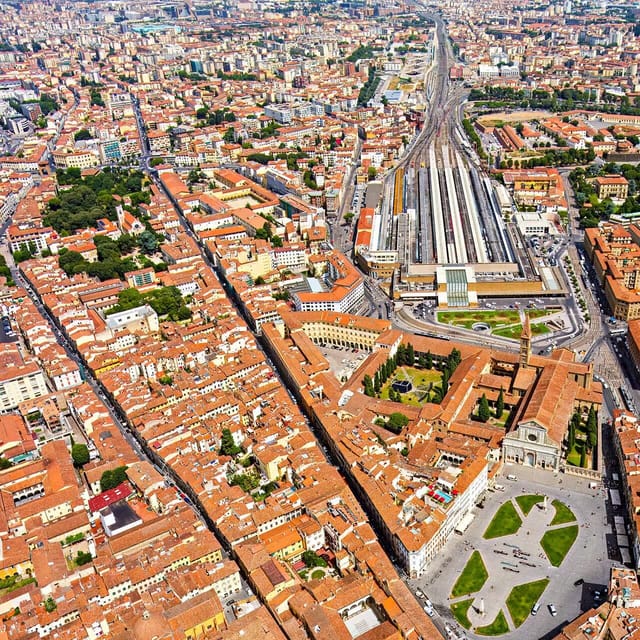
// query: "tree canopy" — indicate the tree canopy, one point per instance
point(397, 421)
point(484, 412)
point(80, 454)
point(165, 301)
point(91, 198)
point(228, 447)
point(111, 478)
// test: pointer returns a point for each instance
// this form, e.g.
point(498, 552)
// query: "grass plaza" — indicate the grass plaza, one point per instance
point(498, 586)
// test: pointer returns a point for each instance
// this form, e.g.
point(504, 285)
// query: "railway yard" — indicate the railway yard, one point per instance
point(439, 210)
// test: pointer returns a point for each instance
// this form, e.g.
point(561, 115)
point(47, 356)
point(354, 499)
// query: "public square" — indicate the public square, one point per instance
point(588, 559)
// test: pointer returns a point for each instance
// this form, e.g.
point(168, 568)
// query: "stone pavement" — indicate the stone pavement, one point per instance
point(587, 558)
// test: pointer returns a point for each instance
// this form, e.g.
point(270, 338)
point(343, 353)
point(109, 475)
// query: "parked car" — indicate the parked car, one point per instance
point(552, 610)
point(535, 608)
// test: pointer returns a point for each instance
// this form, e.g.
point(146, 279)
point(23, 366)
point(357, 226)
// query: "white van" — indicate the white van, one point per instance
point(511, 476)
point(535, 608)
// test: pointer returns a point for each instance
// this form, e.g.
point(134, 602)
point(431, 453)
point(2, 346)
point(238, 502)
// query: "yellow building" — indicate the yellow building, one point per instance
point(614, 187)
point(340, 329)
point(197, 617)
point(284, 542)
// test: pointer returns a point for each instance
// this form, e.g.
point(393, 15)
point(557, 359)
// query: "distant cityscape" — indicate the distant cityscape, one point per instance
point(320, 320)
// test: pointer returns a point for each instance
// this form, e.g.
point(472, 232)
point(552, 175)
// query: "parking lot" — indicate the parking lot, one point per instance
point(7, 333)
point(596, 532)
point(343, 360)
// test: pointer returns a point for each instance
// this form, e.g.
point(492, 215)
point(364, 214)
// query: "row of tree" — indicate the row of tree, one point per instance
point(591, 428)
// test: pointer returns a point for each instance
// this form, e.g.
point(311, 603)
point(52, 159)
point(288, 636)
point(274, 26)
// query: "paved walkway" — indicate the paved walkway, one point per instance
point(501, 580)
point(586, 559)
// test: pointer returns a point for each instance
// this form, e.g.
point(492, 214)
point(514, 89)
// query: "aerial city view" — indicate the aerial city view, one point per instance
point(320, 320)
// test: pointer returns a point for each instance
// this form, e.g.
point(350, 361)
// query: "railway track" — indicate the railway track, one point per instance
point(456, 220)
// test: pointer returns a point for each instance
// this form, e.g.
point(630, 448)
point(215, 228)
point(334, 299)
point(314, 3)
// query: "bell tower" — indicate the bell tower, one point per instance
point(525, 342)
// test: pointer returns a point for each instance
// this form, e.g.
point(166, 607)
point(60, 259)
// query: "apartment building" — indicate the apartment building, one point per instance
point(20, 381)
point(615, 254)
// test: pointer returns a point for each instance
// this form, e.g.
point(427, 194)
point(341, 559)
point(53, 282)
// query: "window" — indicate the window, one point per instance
point(532, 437)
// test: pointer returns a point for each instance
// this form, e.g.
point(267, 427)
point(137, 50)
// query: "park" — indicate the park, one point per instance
point(506, 323)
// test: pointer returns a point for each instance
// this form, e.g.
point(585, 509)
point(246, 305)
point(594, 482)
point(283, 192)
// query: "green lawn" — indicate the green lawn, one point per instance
point(459, 610)
point(563, 513)
point(557, 542)
point(504, 523)
point(502, 420)
point(420, 378)
point(467, 319)
point(515, 330)
point(523, 597)
point(496, 628)
point(539, 328)
point(574, 456)
point(526, 503)
point(494, 319)
point(317, 574)
point(473, 576)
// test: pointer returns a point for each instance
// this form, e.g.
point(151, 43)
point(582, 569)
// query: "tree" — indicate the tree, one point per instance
point(83, 558)
point(401, 355)
point(445, 381)
point(571, 439)
point(484, 413)
point(368, 386)
point(454, 359)
point(348, 217)
point(276, 241)
point(312, 559)
point(429, 360)
point(583, 456)
point(592, 428)
point(265, 232)
point(148, 242)
point(83, 134)
point(410, 357)
point(228, 447)
point(50, 605)
point(112, 478)
point(372, 172)
point(154, 162)
point(500, 404)
point(246, 481)
point(80, 454)
point(96, 98)
point(397, 421)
